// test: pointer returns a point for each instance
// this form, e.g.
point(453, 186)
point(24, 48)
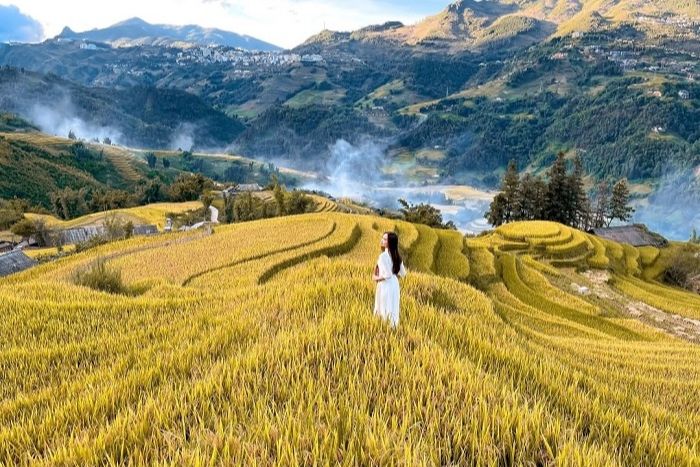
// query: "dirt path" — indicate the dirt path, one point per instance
point(678, 326)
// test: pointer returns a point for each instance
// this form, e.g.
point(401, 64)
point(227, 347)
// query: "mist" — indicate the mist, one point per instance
point(673, 210)
point(183, 137)
point(359, 172)
point(61, 118)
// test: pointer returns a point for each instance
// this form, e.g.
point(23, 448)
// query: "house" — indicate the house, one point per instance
point(683, 94)
point(13, 262)
point(635, 235)
point(6, 246)
point(311, 58)
point(145, 230)
point(242, 188)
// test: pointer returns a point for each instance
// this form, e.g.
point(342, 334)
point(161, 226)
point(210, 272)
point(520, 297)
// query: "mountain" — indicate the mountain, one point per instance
point(472, 24)
point(135, 31)
point(138, 116)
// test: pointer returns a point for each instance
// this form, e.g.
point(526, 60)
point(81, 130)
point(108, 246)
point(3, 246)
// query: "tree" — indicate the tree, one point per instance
point(510, 189)
point(424, 214)
point(107, 140)
point(278, 192)
point(24, 229)
point(496, 213)
point(189, 187)
point(71, 135)
point(619, 202)
point(506, 206)
point(694, 237)
point(298, 203)
point(558, 202)
point(601, 208)
point(166, 163)
point(69, 203)
point(151, 159)
point(152, 193)
point(580, 208)
point(531, 193)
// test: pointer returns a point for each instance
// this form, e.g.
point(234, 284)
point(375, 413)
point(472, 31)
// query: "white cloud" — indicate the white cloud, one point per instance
point(283, 22)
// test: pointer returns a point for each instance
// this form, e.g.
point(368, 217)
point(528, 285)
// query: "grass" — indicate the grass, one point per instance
point(257, 345)
point(150, 214)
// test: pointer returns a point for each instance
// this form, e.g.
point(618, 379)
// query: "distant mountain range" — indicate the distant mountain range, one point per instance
point(136, 32)
point(470, 24)
point(452, 98)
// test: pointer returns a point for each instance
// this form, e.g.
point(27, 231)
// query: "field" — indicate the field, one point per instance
point(256, 345)
point(150, 214)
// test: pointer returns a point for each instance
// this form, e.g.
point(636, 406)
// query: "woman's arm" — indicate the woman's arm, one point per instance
point(383, 269)
point(375, 274)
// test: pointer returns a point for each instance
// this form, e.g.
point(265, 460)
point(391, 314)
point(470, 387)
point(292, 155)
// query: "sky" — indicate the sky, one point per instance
point(285, 23)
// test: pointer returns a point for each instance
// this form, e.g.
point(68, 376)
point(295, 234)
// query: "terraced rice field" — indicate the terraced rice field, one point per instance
point(154, 214)
point(257, 345)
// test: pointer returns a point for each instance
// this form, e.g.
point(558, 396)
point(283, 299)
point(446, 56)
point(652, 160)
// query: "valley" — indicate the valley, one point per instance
point(202, 234)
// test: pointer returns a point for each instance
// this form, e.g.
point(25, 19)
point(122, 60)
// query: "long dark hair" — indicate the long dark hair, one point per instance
point(392, 246)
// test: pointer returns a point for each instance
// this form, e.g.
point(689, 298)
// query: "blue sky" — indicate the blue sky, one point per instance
point(283, 22)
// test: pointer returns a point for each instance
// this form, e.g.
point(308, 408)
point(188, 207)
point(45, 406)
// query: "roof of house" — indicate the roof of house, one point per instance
point(14, 261)
point(635, 235)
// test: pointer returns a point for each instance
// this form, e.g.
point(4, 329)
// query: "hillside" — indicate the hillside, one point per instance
point(474, 24)
point(140, 116)
point(449, 100)
point(246, 348)
point(135, 31)
point(33, 165)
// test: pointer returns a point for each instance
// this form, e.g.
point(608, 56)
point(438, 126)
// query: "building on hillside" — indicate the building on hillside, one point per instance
point(242, 188)
point(635, 235)
point(14, 262)
point(6, 246)
point(311, 58)
point(683, 94)
point(145, 230)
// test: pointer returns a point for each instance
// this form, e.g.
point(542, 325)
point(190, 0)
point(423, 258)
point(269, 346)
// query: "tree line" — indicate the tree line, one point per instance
point(561, 197)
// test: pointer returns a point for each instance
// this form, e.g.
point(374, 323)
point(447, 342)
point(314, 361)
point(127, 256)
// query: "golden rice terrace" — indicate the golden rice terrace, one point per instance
point(257, 345)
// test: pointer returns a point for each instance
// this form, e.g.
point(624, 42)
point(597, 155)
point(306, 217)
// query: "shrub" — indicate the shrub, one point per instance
point(99, 276)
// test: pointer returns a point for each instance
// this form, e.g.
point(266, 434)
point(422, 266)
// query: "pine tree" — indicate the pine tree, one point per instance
point(279, 196)
point(602, 205)
point(510, 188)
point(496, 212)
point(506, 205)
point(578, 197)
point(619, 202)
point(558, 205)
point(528, 197)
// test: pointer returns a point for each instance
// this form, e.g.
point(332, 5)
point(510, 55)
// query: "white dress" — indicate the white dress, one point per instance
point(386, 300)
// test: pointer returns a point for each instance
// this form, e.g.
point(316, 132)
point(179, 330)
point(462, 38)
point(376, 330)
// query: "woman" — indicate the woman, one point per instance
point(386, 273)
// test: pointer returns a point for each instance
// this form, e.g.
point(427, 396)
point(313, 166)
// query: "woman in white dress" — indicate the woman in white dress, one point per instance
point(388, 269)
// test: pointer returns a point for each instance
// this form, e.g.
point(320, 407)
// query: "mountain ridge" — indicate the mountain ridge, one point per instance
point(136, 31)
point(471, 24)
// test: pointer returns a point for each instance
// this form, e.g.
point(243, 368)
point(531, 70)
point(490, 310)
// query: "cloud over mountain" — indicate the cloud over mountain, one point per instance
point(16, 26)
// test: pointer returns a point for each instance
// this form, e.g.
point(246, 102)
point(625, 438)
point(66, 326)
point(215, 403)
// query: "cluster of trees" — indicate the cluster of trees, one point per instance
point(69, 203)
point(561, 198)
point(424, 214)
point(247, 207)
point(12, 211)
point(684, 267)
point(106, 140)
